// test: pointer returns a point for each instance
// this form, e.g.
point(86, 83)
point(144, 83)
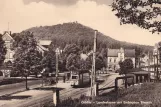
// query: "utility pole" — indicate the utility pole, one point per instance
point(154, 65)
point(93, 73)
point(57, 69)
point(157, 66)
point(148, 61)
point(8, 26)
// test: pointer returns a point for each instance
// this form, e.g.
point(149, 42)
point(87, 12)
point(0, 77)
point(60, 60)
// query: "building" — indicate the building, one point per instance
point(8, 43)
point(152, 62)
point(114, 56)
point(42, 46)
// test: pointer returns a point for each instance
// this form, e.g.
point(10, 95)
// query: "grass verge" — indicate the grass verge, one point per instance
point(144, 95)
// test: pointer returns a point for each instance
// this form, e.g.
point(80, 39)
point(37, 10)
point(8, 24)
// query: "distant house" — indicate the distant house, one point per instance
point(114, 56)
point(44, 43)
point(8, 42)
point(150, 63)
point(43, 46)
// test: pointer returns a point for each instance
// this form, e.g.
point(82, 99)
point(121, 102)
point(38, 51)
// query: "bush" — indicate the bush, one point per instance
point(11, 81)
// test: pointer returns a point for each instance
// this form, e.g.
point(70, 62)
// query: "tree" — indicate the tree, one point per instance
point(71, 56)
point(3, 50)
point(72, 62)
point(99, 63)
point(49, 61)
point(125, 66)
point(27, 58)
point(143, 13)
point(71, 48)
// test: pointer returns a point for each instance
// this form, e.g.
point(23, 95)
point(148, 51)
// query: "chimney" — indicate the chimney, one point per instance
point(10, 32)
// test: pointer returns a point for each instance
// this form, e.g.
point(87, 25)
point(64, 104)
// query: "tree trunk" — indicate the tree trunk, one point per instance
point(26, 83)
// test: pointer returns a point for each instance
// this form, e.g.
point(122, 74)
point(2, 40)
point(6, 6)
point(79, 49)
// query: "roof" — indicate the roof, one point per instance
point(45, 42)
point(113, 52)
point(41, 47)
point(129, 52)
point(6, 36)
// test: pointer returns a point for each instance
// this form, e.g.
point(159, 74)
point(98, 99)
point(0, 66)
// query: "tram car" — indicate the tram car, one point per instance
point(80, 78)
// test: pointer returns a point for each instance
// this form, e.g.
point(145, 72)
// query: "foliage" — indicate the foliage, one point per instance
point(3, 50)
point(72, 62)
point(27, 57)
point(75, 62)
point(11, 81)
point(49, 61)
point(100, 63)
point(125, 66)
point(82, 36)
point(143, 13)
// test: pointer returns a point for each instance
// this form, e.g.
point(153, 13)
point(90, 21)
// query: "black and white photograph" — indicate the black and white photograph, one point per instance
point(80, 53)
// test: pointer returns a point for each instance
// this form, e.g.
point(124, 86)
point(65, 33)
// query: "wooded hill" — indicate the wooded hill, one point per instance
point(81, 35)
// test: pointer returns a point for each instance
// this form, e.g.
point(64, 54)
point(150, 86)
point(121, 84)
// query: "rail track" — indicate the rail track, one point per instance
point(64, 94)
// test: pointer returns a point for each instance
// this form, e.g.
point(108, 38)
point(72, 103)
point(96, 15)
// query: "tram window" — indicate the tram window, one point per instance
point(74, 77)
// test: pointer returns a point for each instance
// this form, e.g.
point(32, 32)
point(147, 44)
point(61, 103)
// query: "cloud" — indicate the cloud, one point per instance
point(66, 2)
point(89, 13)
point(55, 2)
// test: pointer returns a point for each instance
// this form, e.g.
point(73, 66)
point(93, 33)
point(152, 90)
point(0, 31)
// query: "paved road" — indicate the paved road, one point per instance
point(46, 96)
point(12, 88)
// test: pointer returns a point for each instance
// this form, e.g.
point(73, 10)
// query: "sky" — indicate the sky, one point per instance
point(97, 14)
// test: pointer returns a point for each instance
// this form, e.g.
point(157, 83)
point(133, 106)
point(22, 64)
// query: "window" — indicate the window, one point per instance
point(74, 77)
point(109, 67)
point(114, 60)
point(110, 59)
point(11, 55)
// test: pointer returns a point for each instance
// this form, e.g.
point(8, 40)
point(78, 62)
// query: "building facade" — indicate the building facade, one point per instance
point(42, 46)
point(114, 56)
point(8, 43)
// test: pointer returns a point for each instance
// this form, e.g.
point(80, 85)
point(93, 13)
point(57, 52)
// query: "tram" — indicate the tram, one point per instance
point(80, 78)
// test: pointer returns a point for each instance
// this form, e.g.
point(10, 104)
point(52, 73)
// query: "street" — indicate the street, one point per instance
point(34, 98)
point(12, 88)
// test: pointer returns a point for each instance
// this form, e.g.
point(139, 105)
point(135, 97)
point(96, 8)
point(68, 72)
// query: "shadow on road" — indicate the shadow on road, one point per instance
point(48, 88)
point(19, 97)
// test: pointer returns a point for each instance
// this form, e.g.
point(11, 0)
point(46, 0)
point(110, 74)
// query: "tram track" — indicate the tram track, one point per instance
point(64, 94)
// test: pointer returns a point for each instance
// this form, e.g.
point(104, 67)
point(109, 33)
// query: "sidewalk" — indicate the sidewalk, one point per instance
point(30, 97)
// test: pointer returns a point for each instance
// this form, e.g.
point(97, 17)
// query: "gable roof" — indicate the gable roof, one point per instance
point(41, 47)
point(129, 52)
point(113, 52)
point(7, 36)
